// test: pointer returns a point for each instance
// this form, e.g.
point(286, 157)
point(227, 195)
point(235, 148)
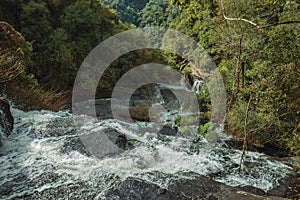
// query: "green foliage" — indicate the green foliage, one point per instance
point(262, 63)
point(128, 10)
point(144, 12)
point(185, 121)
point(35, 21)
point(205, 127)
point(62, 34)
point(294, 143)
point(19, 85)
point(208, 132)
point(157, 13)
point(122, 65)
point(185, 130)
point(15, 53)
point(259, 63)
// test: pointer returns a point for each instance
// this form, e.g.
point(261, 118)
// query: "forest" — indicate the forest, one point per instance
point(255, 45)
point(259, 63)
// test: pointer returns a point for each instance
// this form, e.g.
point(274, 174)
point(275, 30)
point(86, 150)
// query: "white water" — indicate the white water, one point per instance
point(197, 85)
point(38, 147)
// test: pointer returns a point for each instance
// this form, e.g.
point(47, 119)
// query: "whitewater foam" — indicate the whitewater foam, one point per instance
point(35, 150)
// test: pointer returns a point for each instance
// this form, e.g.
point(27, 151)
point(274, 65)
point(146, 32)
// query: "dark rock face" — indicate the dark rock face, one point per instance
point(74, 144)
point(285, 185)
point(121, 141)
point(107, 142)
point(201, 187)
point(103, 108)
point(252, 190)
point(6, 118)
point(171, 101)
point(294, 189)
point(170, 131)
point(141, 101)
point(133, 188)
point(181, 189)
point(117, 138)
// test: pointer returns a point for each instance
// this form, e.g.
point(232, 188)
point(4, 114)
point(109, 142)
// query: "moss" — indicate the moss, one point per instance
point(185, 130)
point(186, 120)
point(203, 129)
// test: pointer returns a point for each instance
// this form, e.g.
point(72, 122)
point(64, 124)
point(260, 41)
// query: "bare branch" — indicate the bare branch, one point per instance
point(245, 133)
point(255, 24)
point(279, 23)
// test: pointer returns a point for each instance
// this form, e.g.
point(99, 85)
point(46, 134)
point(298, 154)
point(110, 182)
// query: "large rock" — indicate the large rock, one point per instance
point(197, 188)
point(6, 118)
point(134, 189)
point(288, 187)
point(167, 130)
point(140, 104)
point(101, 143)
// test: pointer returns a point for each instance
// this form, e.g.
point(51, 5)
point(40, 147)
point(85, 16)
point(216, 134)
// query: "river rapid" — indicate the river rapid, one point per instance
point(44, 158)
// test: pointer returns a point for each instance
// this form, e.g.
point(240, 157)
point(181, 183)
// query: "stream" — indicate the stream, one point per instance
point(44, 158)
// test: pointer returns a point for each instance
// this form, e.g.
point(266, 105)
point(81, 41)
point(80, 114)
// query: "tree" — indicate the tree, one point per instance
point(275, 9)
point(156, 13)
point(128, 10)
point(16, 81)
point(62, 34)
point(266, 56)
point(14, 53)
point(255, 45)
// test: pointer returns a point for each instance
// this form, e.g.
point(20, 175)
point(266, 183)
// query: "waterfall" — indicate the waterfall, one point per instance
point(197, 85)
point(158, 97)
point(2, 134)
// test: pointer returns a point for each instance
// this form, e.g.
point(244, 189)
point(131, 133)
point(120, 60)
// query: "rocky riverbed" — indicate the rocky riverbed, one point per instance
point(46, 158)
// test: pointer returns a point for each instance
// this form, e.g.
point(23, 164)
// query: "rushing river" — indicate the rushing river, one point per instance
point(44, 157)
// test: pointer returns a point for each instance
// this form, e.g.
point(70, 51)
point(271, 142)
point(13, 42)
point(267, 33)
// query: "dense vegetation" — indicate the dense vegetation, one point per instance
point(259, 60)
point(143, 13)
point(127, 10)
point(255, 45)
point(60, 34)
point(16, 80)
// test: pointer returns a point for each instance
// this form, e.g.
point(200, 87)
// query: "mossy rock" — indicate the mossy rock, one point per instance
point(6, 119)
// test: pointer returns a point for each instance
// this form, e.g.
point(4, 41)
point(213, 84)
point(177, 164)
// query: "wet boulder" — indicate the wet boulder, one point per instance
point(287, 186)
point(6, 118)
point(105, 142)
point(197, 188)
point(252, 190)
point(167, 130)
point(121, 140)
point(135, 188)
point(74, 144)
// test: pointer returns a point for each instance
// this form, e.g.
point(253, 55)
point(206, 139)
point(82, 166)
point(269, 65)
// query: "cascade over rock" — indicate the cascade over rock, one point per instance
point(49, 158)
point(6, 118)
